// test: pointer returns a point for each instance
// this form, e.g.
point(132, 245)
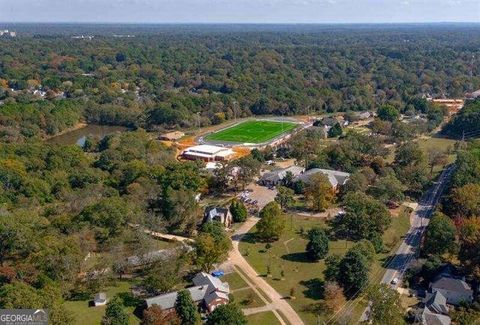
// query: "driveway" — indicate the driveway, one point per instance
point(278, 303)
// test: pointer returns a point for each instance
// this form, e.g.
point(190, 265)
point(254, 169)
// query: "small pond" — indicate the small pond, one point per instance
point(79, 136)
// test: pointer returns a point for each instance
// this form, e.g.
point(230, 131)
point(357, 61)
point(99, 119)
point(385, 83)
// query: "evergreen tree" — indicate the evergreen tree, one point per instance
point(114, 314)
point(335, 131)
point(186, 309)
point(238, 210)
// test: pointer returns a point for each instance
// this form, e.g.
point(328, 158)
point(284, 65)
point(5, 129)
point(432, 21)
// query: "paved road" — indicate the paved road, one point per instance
point(419, 221)
point(278, 303)
point(407, 251)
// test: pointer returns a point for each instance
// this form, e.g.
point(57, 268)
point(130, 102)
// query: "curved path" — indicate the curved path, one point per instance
point(278, 303)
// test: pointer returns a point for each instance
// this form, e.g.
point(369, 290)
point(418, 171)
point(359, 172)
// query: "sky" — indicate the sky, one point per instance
point(240, 11)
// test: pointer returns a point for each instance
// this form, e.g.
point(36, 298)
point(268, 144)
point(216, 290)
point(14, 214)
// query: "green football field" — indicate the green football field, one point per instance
point(252, 131)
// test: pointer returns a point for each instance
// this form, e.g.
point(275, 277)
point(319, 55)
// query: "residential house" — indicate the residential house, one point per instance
point(275, 177)
point(427, 317)
point(455, 290)
point(208, 291)
point(335, 177)
point(219, 214)
point(436, 302)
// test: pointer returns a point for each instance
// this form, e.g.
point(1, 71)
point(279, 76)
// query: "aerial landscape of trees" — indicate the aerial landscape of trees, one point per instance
point(187, 77)
point(72, 217)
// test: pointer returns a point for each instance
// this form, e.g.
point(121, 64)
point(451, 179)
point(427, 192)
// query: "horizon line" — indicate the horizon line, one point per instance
point(241, 23)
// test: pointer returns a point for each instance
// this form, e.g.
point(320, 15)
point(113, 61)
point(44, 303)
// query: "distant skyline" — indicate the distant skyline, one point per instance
point(240, 11)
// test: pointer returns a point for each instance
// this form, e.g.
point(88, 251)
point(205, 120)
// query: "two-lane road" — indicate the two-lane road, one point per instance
point(421, 217)
point(407, 251)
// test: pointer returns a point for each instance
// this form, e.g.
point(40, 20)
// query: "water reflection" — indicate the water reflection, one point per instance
point(79, 136)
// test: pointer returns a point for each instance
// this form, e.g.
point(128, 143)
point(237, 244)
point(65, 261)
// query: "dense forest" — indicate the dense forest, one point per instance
point(182, 76)
point(59, 204)
point(466, 123)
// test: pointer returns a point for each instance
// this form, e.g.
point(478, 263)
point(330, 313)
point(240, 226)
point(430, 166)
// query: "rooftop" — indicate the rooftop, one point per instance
point(431, 318)
point(279, 174)
point(167, 301)
point(436, 302)
point(335, 177)
point(206, 288)
point(205, 149)
point(451, 284)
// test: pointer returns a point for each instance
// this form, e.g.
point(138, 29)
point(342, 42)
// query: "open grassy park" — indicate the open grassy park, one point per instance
point(288, 254)
point(252, 131)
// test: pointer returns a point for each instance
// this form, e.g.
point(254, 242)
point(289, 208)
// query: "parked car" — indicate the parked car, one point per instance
point(218, 273)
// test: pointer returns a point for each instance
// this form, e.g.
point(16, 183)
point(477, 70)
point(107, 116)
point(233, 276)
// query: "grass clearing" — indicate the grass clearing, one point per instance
point(304, 276)
point(83, 314)
point(441, 144)
point(252, 131)
point(267, 317)
point(247, 298)
point(234, 281)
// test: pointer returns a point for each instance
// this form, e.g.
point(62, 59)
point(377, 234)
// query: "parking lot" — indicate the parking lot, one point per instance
point(259, 194)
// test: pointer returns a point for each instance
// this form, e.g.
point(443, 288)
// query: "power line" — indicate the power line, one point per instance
point(353, 303)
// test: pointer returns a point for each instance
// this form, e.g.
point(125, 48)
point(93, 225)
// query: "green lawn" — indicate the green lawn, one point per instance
point(441, 144)
point(241, 292)
point(305, 276)
point(247, 298)
point(434, 142)
point(266, 317)
point(252, 131)
point(234, 281)
point(84, 314)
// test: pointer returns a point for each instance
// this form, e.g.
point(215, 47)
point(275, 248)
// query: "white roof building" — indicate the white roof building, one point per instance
point(207, 153)
point(100, 299)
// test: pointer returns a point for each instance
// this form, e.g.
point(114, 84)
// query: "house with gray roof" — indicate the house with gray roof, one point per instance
point(453, 289)
point(219, 214)
point(436, 302)
point(276, 177)
point(427, 317)
point(335, 177)
point(208, 292)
